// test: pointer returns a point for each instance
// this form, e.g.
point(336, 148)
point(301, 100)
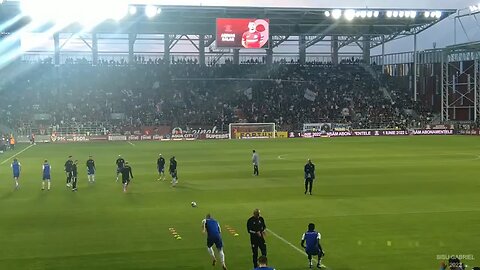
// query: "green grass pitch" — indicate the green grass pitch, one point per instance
point(421, 194)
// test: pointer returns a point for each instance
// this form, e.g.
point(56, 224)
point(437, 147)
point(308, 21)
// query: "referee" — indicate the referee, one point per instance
point(256, 228)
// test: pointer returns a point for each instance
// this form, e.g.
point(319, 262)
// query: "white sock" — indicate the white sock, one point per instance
point(210, 251)
point(222, 256)
point(48, 185)
point(43, 185)
point(16, 183)
point(93, 178)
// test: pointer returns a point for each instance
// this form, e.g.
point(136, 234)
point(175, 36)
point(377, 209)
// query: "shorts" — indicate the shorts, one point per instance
point(161, 169)
point(16, 175)
point(119, 170)
point(125, 181)
point(46, 177)
point(314, 251)
point(215, 240)
point(173, 174)
point(90, 172)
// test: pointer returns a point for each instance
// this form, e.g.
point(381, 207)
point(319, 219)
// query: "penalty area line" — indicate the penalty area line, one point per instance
point(131, 143)
point(5, 161)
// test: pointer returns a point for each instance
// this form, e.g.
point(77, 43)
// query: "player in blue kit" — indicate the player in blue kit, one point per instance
point(213, 231)
point(263, 264)
point(46, 170)
point(16, 168)
point(91, 170)
point(311, 244)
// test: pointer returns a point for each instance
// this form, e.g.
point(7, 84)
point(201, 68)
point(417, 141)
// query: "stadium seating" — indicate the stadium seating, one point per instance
point(78, 94)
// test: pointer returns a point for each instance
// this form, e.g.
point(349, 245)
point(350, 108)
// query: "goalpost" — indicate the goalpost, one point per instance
point(251, 130)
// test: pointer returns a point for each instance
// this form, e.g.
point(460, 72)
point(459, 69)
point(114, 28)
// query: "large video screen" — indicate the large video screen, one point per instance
point(242, 33)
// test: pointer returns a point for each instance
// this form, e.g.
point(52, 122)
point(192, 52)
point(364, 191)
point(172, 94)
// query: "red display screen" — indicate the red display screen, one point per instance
point(242, 33)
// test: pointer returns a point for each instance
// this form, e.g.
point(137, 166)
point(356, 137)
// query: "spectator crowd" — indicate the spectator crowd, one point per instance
point(109, 97)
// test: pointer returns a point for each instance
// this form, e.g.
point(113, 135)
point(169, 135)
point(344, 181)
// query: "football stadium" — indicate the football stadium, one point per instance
point(215, 134)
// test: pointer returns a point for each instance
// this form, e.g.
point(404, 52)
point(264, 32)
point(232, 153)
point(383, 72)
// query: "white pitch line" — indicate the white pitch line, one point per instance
point(282, 156)
point(131, 143)
point(5, 161)
point(290, 244)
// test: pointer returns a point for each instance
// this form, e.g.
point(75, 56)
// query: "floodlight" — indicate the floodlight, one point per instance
point(413, 14)
point(363, 13)
point(389, 14)
point(376, 13)
point(336, 14)
point(358, 13)
point(426, 14)
point(401, 14)
point(132, 10)
point(151, 11)
point(438, 14)
point(369, 14)
point(1, 2)
point(327, 13)
point(395, 14)
point(349, 14)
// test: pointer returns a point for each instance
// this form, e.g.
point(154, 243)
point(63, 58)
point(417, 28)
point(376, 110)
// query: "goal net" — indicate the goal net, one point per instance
point(251, 130)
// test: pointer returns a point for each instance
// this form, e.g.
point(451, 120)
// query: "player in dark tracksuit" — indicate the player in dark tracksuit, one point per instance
point(74, 175)
point(309, 170)
point(91, 169)
point(161, 167)
point(68, 170)
point(120, 162)
point(311, 244)
point(173, 171)
point(126, 176)
point(256, 228)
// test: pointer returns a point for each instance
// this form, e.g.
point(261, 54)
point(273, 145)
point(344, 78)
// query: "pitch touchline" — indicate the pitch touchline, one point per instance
point(5, 161)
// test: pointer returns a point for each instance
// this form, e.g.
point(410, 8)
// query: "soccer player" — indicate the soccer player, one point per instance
point(91, 170)
point(126, 176)
point(120, 163)
point(311, 244)
point(161, 167)
point(46, 169)
point(173, 171)
point(213, 231)
point(68, 171)
point(74, 175)
point(309, 170)
point(251, 38)
point(16, 168)
point(256, 228)
point(262, 264)
point(255, 163)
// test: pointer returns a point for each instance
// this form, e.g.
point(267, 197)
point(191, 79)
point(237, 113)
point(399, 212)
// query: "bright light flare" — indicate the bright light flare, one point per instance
point(88, 12)
point(349, 14)
point(336, 14)
point(151, 11)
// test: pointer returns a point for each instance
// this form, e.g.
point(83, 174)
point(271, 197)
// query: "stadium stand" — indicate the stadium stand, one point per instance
point(78, 94)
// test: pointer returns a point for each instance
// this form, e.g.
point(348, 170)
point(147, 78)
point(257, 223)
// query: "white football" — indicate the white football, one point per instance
point(194, 204)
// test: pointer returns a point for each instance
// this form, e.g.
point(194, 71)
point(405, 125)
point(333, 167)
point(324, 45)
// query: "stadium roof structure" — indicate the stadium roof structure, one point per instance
point(315, 23)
